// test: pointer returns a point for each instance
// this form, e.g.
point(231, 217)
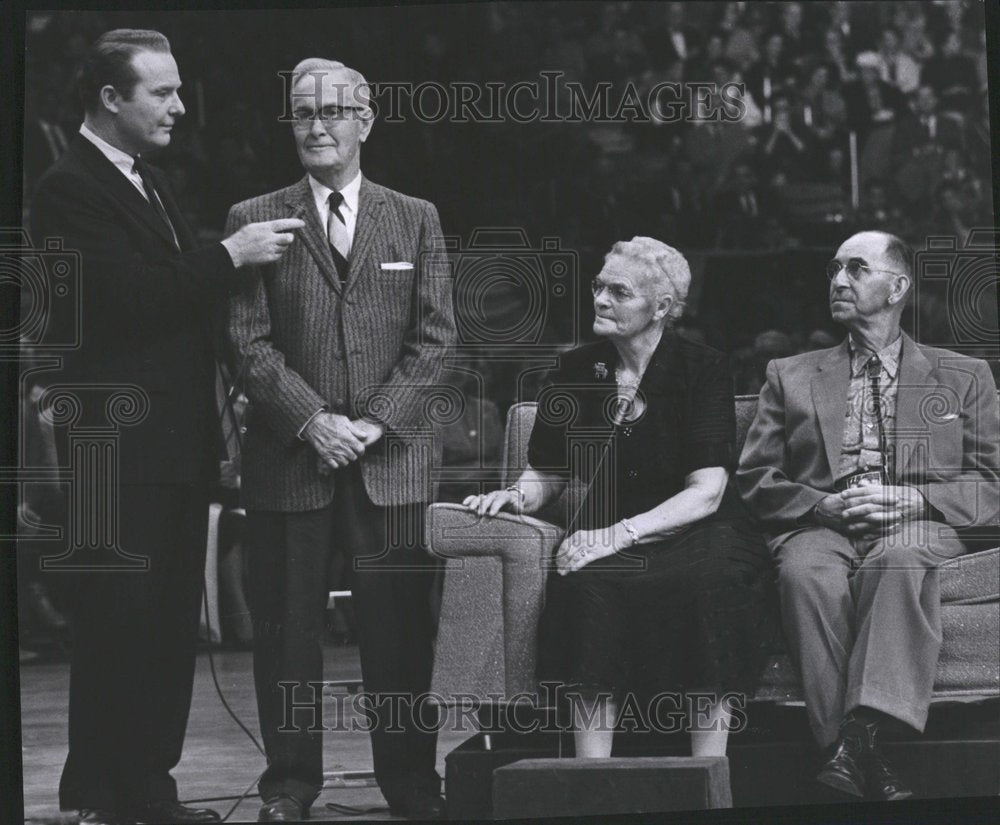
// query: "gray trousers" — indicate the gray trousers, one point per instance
point(863, 620)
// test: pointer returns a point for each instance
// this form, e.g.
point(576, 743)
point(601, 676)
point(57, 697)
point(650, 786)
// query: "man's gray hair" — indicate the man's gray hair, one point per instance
point(663, 265)
point(358, 89)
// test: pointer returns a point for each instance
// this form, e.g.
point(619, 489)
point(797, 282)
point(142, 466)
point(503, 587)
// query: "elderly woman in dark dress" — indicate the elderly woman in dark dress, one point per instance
point(661, 583)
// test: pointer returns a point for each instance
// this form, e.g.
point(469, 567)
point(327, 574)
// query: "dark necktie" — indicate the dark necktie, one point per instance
point(142, 168)
point(874, 371)
point(336, 231)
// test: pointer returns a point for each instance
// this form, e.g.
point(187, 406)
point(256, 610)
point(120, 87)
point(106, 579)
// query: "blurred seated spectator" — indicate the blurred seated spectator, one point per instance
point(925, 129)
point(952, 75)
point(878, 210)
point(799, 44)
point(910, 21)
point(820, 339)
point(711, 148)
point(677, 38)
point(740, 43)
point(771, 73)
point(749, 364)
point(853, 28)
point(870, 100)
point(898, 68)
point(958, 207)
point(823, 111)
point(45, 138)
point(784, 145)
point(741, 210)
point(834, 53)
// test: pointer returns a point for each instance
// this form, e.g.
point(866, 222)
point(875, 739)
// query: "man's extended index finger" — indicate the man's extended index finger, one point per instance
point(285, 224)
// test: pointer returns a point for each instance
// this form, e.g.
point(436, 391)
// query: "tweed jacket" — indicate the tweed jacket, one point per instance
point(946, 436)
point(372, 346)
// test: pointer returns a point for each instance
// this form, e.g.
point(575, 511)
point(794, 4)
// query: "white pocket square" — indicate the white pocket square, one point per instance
point(397, 265)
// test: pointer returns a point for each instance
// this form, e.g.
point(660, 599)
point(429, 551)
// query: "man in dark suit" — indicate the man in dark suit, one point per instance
point(869, 464)
point(340, 344)
point(147, 297)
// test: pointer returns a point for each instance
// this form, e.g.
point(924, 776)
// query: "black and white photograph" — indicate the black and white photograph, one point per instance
point(501, 410)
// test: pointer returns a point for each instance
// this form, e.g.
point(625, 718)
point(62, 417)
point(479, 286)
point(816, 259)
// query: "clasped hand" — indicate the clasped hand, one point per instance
point(338, 440)
point(871, 510)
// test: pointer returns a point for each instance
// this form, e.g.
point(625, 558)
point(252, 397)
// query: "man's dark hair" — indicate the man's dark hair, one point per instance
point(900, 253)
point(108, 62)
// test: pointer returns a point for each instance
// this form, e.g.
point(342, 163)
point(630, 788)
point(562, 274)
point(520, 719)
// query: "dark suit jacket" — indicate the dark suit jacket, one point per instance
point(146, 313)
point(946, 436)
point(373, 346)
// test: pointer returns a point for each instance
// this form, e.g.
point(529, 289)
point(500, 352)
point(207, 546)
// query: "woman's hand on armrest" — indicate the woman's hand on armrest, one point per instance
point(532, 490)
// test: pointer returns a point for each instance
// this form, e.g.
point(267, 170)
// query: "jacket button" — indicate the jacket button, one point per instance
point(633, 473)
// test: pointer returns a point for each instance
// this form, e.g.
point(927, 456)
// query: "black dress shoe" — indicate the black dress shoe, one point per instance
point(419, 806)
point(844, 770)
point(101, 816)
point(883, 780)
point(171, 813)
point(283, 808)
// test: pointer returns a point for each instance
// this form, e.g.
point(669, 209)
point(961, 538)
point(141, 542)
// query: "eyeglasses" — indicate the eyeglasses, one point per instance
point(617, 292)
point(854, 268)
point(328, 115)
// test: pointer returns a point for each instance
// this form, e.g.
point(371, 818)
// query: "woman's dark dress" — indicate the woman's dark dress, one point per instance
point(692, 611)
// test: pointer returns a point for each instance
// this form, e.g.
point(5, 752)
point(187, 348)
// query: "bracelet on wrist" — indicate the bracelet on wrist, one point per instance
point(629, 528)
point(513, 488)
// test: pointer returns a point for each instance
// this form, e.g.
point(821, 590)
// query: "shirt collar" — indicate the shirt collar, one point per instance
point(123, 160)
point(321, 193)
point(889, 356)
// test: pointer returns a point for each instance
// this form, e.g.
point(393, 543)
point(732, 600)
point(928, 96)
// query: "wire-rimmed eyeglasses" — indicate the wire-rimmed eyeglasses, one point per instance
point(855, 269)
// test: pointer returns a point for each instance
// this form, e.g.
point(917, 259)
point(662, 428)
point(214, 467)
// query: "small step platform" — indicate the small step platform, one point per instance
point(536, 788)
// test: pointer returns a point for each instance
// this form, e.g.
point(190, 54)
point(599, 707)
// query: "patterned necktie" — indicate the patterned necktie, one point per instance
point(874, 372)
point(142, 168)
point(336, 231)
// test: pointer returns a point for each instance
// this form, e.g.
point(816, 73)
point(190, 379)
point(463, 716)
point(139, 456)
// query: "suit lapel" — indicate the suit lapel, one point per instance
point(300, 199)
point(184, 237)
point(370, 204)
point(106, 172)
point(829, 393)
point(914, 384)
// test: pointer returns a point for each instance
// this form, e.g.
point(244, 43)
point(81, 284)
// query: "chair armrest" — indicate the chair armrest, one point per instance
point(486, 641)
point(454, 531)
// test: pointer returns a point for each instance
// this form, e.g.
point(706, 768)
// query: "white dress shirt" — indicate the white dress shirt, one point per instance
point(123, 161)
point(348, 208)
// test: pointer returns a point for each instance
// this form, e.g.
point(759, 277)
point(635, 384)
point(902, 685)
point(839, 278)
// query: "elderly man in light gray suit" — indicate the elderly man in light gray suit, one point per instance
point(338, 347)
point(869, 464)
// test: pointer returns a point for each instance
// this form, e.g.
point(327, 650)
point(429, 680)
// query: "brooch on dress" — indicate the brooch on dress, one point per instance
point(600, 371)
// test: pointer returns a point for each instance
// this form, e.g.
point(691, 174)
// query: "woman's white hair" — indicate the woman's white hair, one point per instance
point(662, 265)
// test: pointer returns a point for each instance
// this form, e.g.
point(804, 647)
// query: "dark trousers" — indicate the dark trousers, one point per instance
point(134, 641)
point(391, 581)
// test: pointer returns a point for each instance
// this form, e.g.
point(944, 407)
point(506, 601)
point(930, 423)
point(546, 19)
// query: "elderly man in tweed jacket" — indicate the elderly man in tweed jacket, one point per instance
point(338, 347)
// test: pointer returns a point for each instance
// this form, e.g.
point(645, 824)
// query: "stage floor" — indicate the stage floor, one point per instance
point(219, 760)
